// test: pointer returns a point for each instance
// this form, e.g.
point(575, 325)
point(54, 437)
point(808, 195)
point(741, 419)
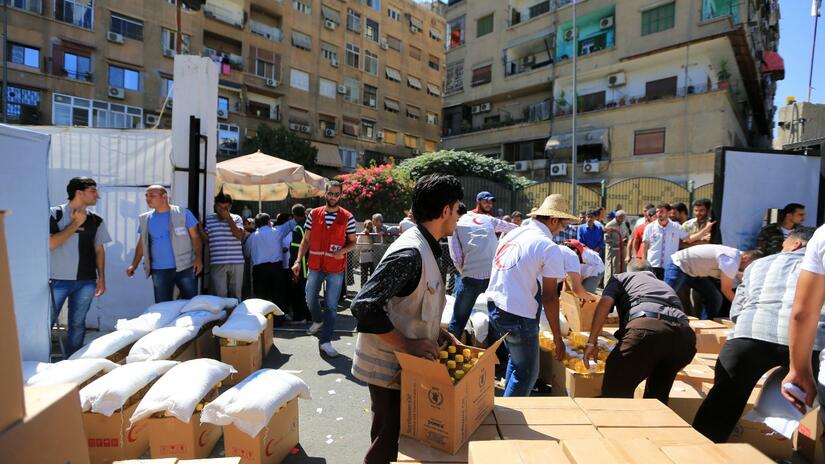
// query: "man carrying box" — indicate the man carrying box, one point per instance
point(527, 262)
point(655, 340)
point(399, 308)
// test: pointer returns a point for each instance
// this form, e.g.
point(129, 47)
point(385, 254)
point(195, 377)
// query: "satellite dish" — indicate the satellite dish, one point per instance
point(193, 5)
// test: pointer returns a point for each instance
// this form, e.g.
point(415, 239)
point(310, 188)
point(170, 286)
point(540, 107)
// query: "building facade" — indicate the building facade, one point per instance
point(360, 79)
point(659, 84)
point(800, 123)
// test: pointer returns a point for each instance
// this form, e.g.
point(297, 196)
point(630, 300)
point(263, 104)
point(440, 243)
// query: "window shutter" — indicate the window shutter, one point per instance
point(253, 56)
point(57, 60)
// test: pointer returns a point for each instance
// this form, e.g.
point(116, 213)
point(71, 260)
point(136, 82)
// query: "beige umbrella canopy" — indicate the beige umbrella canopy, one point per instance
point(263, 177)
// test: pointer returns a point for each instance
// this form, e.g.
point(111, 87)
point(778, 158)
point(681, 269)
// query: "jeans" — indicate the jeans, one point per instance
point(164, 281)
point(80, 294)
point(467, 291)
point(335, 282)
point(522, 342)
point(711, 296)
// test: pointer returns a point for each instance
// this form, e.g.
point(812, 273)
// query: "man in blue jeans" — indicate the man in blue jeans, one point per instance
point(472, 247)
point(76, 240)
point(528, 261)
point(170, 238)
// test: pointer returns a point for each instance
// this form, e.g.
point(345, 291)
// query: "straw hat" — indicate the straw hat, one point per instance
point(554, 206)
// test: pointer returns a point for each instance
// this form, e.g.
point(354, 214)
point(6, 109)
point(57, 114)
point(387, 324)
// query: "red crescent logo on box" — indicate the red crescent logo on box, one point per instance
point(507, 256)
point(130, 437)
point(201, 443)
point(266, 450)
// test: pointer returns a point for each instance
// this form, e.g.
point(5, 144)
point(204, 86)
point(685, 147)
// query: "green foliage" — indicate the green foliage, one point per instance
point(283, 143)
point(463, 163)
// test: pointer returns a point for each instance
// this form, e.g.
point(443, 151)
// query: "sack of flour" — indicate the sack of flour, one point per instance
point(198, 318)
point(30, 368)
point(259, 306)
point(71, 371)
point(109, 344)
point(161, 343)
point(241, 325)
point(210, 303)
point(154, 317)
point(110, 392)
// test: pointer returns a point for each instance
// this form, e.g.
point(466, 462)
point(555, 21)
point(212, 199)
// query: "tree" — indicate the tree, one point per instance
point(463, 163)
point(377, 189)
point(283, 143)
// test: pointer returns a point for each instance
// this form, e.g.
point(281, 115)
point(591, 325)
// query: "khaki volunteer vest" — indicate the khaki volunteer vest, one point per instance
point(181, 243)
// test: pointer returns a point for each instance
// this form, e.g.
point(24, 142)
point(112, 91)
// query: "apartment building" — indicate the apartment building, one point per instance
point(800, 123)
point(361, 79)
point(659, 84)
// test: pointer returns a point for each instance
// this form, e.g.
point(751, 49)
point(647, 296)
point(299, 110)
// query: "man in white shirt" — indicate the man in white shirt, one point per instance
point(528, 261)
point(662, 237)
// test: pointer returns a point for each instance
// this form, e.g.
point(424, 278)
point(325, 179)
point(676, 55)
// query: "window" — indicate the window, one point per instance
point(353, 55)
point(372, 30)
point(77, 12)
point(435, 63)
point(22, 105)
point(329, 52)
point(353, 94)
point(299, 80)
point(413, 112)
point(660, 88)
point(658, 19)
point(415, 53)
point(229, 139)
point(435, 35)
point(326, 122)
point(432, 118)
point(391, 106)
point(454, 77)
point(127, 27)
point(124, 78)
point(302, 6)
point(350, 126)
point(455, 29)
point(299, 120)
point(167, 88)
point(649, 142)
point(169, 41)
point(327, 88)
point(430, 146)
point(74, 111)
point(592, 101)
point(370, 63)
point(482, 75)
point(413, 83)
point(301, 40)
point(349, 157)
point(264, 63)
point(26, 56)
point(35, 6)
point(370, 95)
point(223, 105)
point(393, 43)
point(264, 69)
point(484, 25)
point(410, 141)
point(353, 21)
point(393, 14)
point(390, 137)
point(374, 4)
point(77, 66)
point(432, 89)
point(392, 74)
point(328, 14)
point(368, 129)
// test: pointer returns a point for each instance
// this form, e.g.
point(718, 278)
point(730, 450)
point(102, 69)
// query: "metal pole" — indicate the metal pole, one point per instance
point(5, 95)
point(194, 165)
point(574, 203)
point(813, 51)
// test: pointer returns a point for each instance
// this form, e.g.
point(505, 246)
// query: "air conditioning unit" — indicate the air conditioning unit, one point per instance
point(329, 132)
point(305, 129)
point(342, 89)
point(117, 92)
point(330, 24)
point(371, 102)
point(615, 80)
point(114, 37)
point(558, 169)
point(168, 53)
point(568, 35)
point(379, 134)
point(528, 60)
point(151, 119)
point(485, 107)
point(521, 166)
point(591, 166)
point(272, 83)
point(384, 44)
point(222, 113)
point(539, 163)
point(416, 151)
point(606, 22)
point(334, 62)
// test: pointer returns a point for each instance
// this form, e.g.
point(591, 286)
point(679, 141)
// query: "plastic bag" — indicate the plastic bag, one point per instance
point(259, 306)
point(181, 389)
point(154, 317)
point(198, 318)
point(251, 404)
point(110, 392)
point(243, 326)
point(209, 303)
point(161, 344)
point(71, 371)
point(33, 367)
point(109, 344)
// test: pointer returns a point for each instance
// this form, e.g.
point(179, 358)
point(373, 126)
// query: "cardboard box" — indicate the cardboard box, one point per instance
point(547, 432)
point(617, 418)
point(510, 416)
point(725, 453)
point(233, 460)
point(110, 439)
point(515, 452)
point(567, 382)
point(708, 359)
point(765, 439)
point(206, 345)
point(711, 340)
point(149, 461)
point(685, 400)
point(701, 326)
point(604, 451)
point(695, 375)
point(441, 414)
point(272, 444)
point(620, 404)
point(169, 437)
point(579, 314)
point(545, 366)
point(51, 432)
point(410, 450)
point(725, 322)
point(660, 436)
point(267, 335)
point(536, 402)
point(809, 438)
point(12, 404)
point(246, 359)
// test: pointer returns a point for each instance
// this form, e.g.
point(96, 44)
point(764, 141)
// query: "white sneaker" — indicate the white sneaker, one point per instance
point(314, 328)
point(328, 350)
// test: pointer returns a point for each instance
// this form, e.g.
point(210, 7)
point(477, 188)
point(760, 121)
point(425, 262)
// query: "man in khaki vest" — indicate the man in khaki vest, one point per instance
point(399, 308)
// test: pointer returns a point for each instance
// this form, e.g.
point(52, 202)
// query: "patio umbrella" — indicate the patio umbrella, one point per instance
point(262, 177)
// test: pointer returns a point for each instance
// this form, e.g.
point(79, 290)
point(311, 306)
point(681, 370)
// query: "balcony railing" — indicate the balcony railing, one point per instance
point(523, 65)
point(74, 13)
point(229, 59)
point(712, 9)
point(269, 32)
point(518, 16)
point(223, 14)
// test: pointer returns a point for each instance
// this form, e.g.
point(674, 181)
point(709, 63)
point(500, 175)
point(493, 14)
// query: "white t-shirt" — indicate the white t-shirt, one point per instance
point(662, 242)
point(814, 261)
point(571, 260)
point(523, 257)
point(593, 264)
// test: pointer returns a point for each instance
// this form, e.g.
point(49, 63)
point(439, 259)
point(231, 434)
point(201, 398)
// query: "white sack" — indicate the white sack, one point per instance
point(109, 344)
point(30, 368)
point(182, 388)
point(209, 303)
point(156, 316)
point(198, 318)
point(161, 344)
point(71, 371)
point(259, 306)
point(251, 404)
point(243, 326)
point(110, 392)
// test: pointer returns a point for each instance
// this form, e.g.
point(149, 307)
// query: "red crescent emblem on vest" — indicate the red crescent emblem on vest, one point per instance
point(507, 256)
point(478, 221)
point(201, 443)
point(266, 450)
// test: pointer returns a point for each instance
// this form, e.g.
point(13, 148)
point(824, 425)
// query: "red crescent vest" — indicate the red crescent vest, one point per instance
point(325, 241)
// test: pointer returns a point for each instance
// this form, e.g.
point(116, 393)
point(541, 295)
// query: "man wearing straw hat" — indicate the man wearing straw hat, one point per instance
point(528, 263)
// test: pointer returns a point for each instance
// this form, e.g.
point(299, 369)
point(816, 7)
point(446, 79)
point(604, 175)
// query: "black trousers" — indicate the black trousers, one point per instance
point(298, 300)
point(650, 349)
point(266, 281)
point(366, 271)
point(386, 425)
point(742, 362)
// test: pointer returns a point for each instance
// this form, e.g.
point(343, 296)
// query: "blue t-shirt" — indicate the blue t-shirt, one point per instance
point(163, 257)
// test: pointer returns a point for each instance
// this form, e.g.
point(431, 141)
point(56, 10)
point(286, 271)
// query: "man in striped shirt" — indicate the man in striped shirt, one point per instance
point(225, 233)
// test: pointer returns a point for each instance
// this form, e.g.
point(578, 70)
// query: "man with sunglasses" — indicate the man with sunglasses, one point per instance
point(329, 235)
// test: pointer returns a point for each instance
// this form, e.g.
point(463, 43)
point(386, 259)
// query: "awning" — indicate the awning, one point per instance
point(435, 34)
point(330, 14)
point(583, 137)
point(393, 74)
point(301, 40)
point(413, 111)
point(434, 90)
point(416, 23)
point(328, 155)
point(299, 119)
point(391, 104)
point(773, 63)
point(413, 82)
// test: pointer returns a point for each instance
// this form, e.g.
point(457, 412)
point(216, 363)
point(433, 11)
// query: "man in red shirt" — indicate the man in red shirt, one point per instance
point(634, 245)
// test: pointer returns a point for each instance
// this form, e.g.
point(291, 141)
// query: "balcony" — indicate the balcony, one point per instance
point(75, 13)
point(533, 54)
point(596, 32)
point(224, 14)
point(712, 9)
point(226, 60)
point(271, 33)
point(531, 113)
point(522, 11)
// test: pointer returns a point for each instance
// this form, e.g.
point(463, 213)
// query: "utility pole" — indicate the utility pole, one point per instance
point(574, 203)
point(815, 13)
